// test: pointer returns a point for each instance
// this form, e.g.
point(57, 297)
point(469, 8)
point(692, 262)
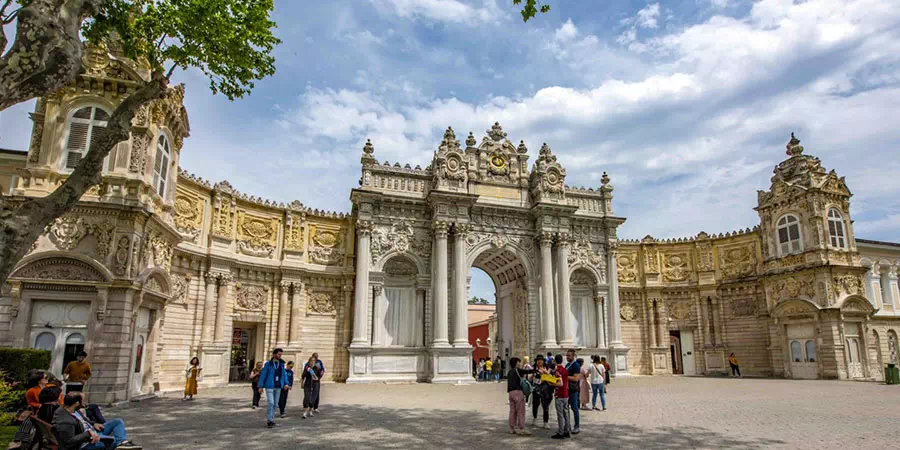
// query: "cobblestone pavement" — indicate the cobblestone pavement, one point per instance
point(644, 413)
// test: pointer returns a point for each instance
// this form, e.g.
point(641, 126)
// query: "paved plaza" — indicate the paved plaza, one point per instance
point(644, 413)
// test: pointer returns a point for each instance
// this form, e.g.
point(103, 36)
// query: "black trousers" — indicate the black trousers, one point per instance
point(311, 396)
point(256, 395)
point(735, 370)
point(282, 401)
point(541, 398)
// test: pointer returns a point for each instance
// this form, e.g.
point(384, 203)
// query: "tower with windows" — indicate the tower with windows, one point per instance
point(813, 279)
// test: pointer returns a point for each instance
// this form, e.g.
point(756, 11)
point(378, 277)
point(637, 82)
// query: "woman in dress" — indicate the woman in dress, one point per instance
point(584, 388)
point(254, 380)
point(191, 375)
point(310, 380)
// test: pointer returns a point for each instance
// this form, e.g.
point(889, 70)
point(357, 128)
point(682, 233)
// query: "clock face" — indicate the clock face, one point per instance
point(498, 162)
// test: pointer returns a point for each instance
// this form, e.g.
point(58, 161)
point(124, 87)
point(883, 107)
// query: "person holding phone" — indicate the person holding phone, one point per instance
point(192, 376)
point(312, 374)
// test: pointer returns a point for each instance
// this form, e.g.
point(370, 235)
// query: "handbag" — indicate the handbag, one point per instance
point(526, 386)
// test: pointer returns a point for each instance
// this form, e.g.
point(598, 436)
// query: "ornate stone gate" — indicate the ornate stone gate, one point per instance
point(419, 231)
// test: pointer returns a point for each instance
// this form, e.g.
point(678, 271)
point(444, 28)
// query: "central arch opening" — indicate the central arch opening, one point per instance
point(499, 276)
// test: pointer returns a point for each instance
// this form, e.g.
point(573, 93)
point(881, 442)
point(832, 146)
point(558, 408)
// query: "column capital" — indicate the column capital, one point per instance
point(545, 238)
point(211, 277)
point(378, 288)
point(347, 287)
point(441, 228)
point(364, 227)
point(563, 240)
point(286, 284)
point(461, 229)
point(225, 278)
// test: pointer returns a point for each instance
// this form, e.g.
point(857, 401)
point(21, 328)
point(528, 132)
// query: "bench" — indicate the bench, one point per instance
point(46, 437)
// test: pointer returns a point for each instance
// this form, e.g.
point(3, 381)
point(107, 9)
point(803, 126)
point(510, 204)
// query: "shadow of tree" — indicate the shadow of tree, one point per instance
point(218, 423)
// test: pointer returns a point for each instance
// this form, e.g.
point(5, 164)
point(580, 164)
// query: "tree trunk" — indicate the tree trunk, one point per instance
point(46, 53)
point(22, 221)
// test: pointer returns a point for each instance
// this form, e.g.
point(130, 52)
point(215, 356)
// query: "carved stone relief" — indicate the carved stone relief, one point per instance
point(679, 310)
point(251, 297)
point(293, 235)
point(744, 307)
point(180, 284)
point(676, 267)
point(793, 287)
point(121, 259)
point(737, 262)
point(62, 269)
point(188, 216)
point(849, 285)
point(627, 270)
point(320, 303)
point(582, 252)
point(628, 313)
point(704, 257)
point(67, 232)
point(256, 236)
point(325, 245)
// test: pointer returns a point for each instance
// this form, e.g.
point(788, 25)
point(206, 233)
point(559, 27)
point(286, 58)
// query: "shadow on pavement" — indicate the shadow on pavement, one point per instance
point(227, 423)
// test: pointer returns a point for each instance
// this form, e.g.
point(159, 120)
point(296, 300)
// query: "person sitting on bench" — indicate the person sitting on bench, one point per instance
point(75, 432)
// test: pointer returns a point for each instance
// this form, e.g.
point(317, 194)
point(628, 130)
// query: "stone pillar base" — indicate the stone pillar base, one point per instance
point(215, 361)
point(451, 365)
point(618, 361)
point(387, 365)
point(660, 364)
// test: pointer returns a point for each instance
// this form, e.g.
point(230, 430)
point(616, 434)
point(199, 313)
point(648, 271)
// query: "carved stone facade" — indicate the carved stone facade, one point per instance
point(201, 269)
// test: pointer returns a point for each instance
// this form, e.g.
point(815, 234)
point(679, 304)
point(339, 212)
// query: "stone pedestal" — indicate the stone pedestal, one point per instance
point(451, 365)
point(660, 361)
point(619, 361)
point(388, 365)
point(215, 361)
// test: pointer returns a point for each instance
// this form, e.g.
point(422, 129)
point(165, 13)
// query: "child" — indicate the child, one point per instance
point(254, 379)
point(288, 384)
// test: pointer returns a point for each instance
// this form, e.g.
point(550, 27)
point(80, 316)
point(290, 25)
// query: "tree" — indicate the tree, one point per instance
point(531, 8)
point(230, 41)
point(475, 300)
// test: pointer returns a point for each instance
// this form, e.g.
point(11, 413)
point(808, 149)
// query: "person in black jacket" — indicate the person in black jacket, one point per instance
point(75, 431)
point(514, 382)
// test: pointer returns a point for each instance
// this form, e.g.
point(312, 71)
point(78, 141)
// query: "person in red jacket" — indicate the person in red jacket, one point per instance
point(563, 430)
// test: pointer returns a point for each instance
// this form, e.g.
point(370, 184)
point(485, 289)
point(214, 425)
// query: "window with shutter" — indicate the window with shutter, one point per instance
point(836, 229)
point(161, 165)
point(82, 134)
point(788, 232)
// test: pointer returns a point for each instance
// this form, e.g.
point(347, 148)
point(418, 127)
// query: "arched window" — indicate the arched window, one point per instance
point(45, 341)
point(161, 165)
point(836, 229)
point(789, 235)
point(82, 134)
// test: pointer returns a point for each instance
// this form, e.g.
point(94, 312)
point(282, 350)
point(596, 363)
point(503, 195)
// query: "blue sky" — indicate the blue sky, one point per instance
point(686, 104)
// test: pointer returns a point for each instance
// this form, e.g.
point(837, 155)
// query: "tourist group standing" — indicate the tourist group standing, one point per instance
point(573, 385)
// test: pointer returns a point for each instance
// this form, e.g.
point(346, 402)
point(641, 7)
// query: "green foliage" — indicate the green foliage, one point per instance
point(230, 41)
point(7, 434)
point(531, 8)
point(15, 363)
point(12, 399)
point(478, 301)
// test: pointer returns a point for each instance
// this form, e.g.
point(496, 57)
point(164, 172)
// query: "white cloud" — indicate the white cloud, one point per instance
point(441, 10)
point(646, 17)
point(566, 31)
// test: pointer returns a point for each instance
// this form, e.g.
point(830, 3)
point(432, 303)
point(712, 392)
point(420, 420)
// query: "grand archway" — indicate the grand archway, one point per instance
point(511, 293)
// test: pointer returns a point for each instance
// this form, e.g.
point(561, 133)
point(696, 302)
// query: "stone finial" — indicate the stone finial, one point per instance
point(470, 141)
point(604, 180)
point(545, 150)
point(496, 132)
point(368, 149)
point(793, 146)
point(449, 135)
point(522, 149)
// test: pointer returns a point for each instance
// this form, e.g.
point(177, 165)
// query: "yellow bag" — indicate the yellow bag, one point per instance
point(550, 379)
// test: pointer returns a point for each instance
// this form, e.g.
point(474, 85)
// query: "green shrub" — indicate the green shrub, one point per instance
point(17, 362)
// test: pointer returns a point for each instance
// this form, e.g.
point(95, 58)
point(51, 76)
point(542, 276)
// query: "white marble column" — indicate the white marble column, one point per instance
point(614, 330)
point(548, 324)
point(460, 277)
point(439, 262)
point(222, 306)
point(294, 323)
point(601, 335)
point(283, 314)
point(565, 301)
point(209, 312)
point(361, 285)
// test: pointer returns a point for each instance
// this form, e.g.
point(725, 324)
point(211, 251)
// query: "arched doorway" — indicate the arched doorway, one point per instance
point(511, 293)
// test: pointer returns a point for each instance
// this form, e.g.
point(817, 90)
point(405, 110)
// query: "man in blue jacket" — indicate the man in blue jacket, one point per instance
point(272, 380)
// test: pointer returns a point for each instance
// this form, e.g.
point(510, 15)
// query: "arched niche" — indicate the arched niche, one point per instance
point(399, 306)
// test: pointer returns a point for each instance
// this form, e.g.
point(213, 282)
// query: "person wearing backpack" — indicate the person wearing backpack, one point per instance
point(516, 385)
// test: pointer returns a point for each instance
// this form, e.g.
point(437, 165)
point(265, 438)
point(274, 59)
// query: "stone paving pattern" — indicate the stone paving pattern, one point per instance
point(644, 413)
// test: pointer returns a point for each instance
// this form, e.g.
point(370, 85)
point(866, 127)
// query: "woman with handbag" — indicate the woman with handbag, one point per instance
point(541, 393)
point(516, 385)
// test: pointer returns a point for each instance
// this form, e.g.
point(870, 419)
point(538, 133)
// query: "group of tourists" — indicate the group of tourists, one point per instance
point(488, 370)
point(569, 384)
point(275, 379)
point(74, 424)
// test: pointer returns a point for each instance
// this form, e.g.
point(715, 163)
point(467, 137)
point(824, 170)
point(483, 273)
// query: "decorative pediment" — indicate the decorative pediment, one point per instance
point(60, 269)
point(793, 308)
point(450, 164)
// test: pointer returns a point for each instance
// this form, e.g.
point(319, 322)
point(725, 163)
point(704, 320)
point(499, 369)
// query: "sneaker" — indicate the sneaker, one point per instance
point(567, 435)
point(524, 432)
point(576, 431)
point(315, 411)
point(254, 406)
point(282, 415)
point(305, 415)
point(512, 431)
point(546, 425)
point(270, 424)
point(558, 436)
point(604, 409)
